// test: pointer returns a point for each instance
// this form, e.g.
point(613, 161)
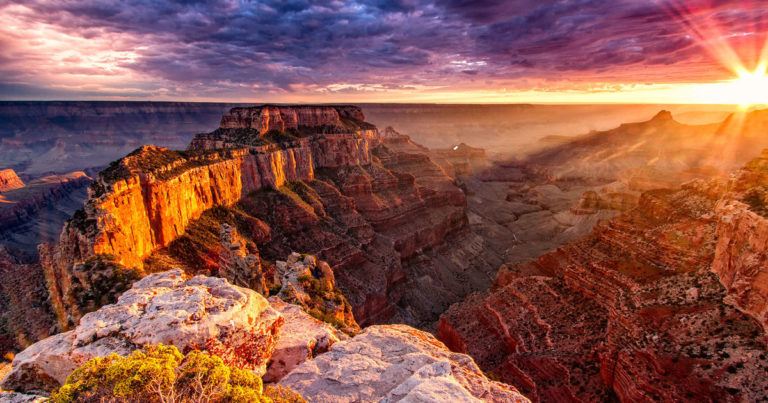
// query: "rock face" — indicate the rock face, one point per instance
point(310, 283)
point(198, 312)
point(395, 363)
point(283, 118)
point(302, 338)
point(741, 256)
point(630, 311)
point(388, 220)
point(9, 180)
point(278, 340)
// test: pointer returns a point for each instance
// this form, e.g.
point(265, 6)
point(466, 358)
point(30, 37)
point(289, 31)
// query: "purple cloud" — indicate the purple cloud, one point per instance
point(220, 47)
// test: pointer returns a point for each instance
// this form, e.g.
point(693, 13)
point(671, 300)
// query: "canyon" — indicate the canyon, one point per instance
point(642, 309)
point(624, 264)
point(388, 220)
point(34, 212)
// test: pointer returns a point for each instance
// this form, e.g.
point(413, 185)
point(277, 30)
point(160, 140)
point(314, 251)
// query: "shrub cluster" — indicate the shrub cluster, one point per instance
point(163, 374)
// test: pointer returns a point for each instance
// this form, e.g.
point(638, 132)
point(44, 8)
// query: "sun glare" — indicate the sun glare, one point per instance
point(749, 89)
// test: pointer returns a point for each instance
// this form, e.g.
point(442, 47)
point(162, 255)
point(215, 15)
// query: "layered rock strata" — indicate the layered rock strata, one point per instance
point(741, 255)
point(388, 220)
point(631, 311)
point(279, 118)
point(395, 363)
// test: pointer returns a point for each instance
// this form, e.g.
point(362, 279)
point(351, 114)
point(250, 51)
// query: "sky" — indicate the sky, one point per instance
point(451, 51)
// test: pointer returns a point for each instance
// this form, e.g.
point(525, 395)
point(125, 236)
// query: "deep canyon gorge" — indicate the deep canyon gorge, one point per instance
point(315, 248)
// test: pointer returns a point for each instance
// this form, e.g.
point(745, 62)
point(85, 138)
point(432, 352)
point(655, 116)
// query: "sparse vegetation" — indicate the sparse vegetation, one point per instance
point(326, 303)
point(99, 281)
point(756, 199)
point(163, 374)
point(82, 222)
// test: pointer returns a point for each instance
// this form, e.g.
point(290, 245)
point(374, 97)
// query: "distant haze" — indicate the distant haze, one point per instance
point(44, 137)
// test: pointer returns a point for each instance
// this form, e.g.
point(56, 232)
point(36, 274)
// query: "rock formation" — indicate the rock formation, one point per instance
point(741, 255)
point(301, 338)
point(319, 180)
point(395, 363)
point(273, 338)
point(15, 397)
point(630, 311)
point(591, 202)
point(267, 118)
point(310, 283)
point(169, 308)
point(9, 180)
point(658, 153)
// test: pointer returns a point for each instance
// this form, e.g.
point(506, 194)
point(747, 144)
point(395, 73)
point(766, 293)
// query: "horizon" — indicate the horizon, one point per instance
point(257, 103)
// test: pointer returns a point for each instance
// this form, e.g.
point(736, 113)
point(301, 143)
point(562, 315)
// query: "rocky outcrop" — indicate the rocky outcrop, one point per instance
point(302, 338)
point(332, 128)
point(631, 311)
point(9, 180)
point(168, 308)
point(239, 261)
point(741, 255)
point(277, 340)
point(310, 283)
point(389, 221)
point(461, 159)
point(395, 363)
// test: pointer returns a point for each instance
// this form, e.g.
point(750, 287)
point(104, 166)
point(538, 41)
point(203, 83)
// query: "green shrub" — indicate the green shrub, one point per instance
point(162, 374)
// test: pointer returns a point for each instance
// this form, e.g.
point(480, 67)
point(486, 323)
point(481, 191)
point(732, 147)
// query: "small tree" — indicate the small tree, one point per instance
point(162, 374)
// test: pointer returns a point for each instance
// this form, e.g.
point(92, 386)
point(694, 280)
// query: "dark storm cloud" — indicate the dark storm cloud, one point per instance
point(281, 45)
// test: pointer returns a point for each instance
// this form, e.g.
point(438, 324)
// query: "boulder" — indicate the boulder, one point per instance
point(168, 308)
point(392, 363)
point(302, 338)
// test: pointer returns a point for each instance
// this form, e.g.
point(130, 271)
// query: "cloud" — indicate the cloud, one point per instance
point(219, 47)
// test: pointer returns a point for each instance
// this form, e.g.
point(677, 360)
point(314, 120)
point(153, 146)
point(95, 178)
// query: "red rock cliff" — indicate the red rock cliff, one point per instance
point(741, 255)
point(389, 221)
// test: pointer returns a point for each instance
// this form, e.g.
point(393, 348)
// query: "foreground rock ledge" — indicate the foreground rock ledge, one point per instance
point(164, 308)
point(394, 363)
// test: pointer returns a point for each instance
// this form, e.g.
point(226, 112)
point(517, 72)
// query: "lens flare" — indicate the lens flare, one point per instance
point(744, 55)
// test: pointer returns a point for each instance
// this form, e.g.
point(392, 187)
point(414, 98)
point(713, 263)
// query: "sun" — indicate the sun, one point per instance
point(748, 89)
